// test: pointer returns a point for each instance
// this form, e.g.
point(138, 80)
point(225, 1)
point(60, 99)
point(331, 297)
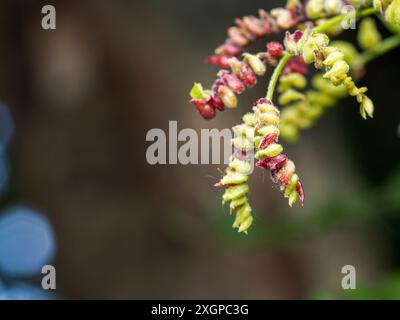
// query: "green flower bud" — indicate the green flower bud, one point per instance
point(290, 96)
point(240, 166)
point(289, 132)
point(366, 107)
point(235, 192)
point(271, 151)
point(245, 225)
point(392, 13)
point(309, 52)
point(270, 119)
point(263, 131)
point(255, 63)
point(333, 57)
point(293, 198)
point(292, 80)
point(234, 178)
point(320, 39)
point(249, 119)
point(368, 35)
point(333, 6)
point(315, 9)
point(238, 202)
point(339, 69)
point(267, 108)
point(336, 81)
point(242, 214)
point(199, 93)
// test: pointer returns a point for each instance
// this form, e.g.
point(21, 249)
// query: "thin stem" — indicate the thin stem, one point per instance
point(336, 20)
point(383, 47)
point(275, 76)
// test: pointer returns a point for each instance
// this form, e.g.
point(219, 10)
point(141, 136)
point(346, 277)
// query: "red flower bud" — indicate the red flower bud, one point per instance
point(248, 76)
point(262, 101)
point(229, 48)
point(232, 81)
point(268, 139)
point(254, 26)
point(300, 191)
point(238, 36)
point(217, 103)
point(205, 109)
point(220, 61)
point(273, 164)
point(298, 35)
point(275, 49)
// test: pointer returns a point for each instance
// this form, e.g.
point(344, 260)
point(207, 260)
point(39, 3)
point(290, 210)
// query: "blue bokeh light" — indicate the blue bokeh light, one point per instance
point(26, 242)
point(24, 291)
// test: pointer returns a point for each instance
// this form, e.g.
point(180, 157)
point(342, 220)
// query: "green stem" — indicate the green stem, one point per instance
point(383, 47)
point(275, 76)
point(336, 20)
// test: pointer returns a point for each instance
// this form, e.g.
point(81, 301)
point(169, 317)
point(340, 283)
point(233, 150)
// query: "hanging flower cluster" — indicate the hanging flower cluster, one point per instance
point(269, 151)
point(314, 48)
point(243, 74)
point(303, 109)
point(238, 172)
point(257, 137)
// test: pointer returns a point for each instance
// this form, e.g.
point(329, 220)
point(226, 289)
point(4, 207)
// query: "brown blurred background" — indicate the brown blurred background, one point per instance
point(83, 97)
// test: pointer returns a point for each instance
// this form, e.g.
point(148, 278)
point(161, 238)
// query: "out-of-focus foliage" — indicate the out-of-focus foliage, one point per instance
point(387, 289)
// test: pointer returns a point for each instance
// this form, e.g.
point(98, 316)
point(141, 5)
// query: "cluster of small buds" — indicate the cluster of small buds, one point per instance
point(302, 113)
point(390, 9)
point(250, 28)
point(243, 74)
point(304, 109)
point(237, 175)
point(313, 46)
point(269, 151)
point(316, 9)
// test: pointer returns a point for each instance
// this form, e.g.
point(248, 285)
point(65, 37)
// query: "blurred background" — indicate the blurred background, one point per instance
point(77, 192)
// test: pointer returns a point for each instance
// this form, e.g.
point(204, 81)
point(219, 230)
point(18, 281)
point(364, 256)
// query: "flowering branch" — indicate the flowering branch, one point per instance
point(308, 44)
